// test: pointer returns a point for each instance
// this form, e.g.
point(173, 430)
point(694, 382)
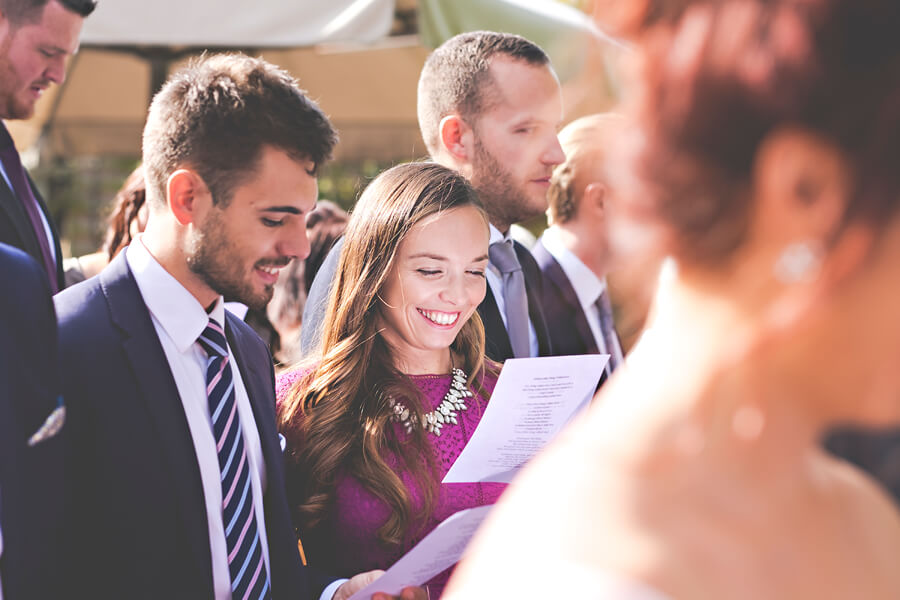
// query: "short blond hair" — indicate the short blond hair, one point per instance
point(583, 141)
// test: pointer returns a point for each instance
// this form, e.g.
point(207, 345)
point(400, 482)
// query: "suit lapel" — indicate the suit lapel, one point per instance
point(534, 291)
point(558, 278)
point(156, 388)
point(16, 214)
point(57, 249)
point(19, 218)
point(496, 343)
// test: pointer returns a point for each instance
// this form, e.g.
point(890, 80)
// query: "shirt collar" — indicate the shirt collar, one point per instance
point(496, 236)
point(180, 314)
point(585, 282)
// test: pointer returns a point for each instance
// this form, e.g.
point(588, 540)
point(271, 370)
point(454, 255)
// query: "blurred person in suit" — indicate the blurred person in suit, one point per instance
point(32, 452)
point(489, 106)
point(573, 252)
point(763, 161)
point(172, 441)
point(37, 38)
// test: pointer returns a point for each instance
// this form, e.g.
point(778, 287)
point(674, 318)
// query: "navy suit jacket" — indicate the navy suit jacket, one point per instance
point(570, 332)
point(138, 526)
point(497, 345)
point(16, 230)
point(32, 492)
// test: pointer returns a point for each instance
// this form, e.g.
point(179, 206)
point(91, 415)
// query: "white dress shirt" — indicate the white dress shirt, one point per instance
point(588, 287)
point(495, 280)
point(179, 319)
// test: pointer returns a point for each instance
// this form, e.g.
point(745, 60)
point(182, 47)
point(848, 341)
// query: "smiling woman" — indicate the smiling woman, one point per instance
point(435, 283)
point(375, 424)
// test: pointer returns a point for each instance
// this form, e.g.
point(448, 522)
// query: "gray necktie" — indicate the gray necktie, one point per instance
point(503, 256)
point(608, 329)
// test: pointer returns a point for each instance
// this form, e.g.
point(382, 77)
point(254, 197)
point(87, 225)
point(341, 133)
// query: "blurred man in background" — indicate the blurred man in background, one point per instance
point(573, 253)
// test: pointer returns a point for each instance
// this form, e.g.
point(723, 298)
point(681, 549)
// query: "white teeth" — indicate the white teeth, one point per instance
point(441, 318)
point(269, 270)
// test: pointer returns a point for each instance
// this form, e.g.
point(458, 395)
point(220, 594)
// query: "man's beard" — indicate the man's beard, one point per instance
point(213, 259)
point(11, 107)
point(504, 202)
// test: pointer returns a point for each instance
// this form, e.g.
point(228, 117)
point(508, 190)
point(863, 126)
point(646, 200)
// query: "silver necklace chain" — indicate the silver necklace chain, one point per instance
point(446, 412)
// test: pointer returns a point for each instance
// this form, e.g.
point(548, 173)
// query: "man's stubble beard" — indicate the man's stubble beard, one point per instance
point(504, 202)
point(211, 257)
point(9, 107)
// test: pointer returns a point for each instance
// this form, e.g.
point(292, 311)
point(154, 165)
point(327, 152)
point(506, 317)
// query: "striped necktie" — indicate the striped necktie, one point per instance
point(246, 565)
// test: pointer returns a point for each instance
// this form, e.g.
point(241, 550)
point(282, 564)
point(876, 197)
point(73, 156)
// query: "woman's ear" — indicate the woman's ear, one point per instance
point(802, 185)
point(801, 182)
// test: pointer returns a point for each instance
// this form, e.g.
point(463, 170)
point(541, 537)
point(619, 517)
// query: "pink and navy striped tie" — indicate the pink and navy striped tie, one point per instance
point(246, 564)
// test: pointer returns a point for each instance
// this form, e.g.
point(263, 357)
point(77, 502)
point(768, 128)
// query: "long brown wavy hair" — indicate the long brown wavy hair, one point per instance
point(336, 418)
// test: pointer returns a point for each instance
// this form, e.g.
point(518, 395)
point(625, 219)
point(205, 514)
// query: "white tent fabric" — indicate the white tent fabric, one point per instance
point(237, 23)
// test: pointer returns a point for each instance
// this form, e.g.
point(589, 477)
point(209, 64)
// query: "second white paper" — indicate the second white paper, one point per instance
point(439, 550)
point(534, 398)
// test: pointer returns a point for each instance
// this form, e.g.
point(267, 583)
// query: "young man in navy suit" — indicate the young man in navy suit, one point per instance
point(32, 416)
point(573, 252)
point(174, 452)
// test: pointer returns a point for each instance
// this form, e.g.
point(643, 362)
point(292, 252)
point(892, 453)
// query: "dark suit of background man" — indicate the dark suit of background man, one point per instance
point(174, 450)
point(36, 39)
point(31, 447)
point(489, 105)
point(573, 252)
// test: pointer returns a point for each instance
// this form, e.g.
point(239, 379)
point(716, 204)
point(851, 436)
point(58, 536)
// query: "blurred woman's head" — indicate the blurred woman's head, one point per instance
point(129, 214)
point(764, 160)
point(324, 225)
point(723, 86)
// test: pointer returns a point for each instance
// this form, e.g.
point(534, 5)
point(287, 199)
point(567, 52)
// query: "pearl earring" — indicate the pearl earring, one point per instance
point(799, 262)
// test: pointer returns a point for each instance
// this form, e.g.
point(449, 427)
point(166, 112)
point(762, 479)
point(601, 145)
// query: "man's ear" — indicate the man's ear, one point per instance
point(457, 138)
point(801, 182)
point(184, 189)
point(594, 199)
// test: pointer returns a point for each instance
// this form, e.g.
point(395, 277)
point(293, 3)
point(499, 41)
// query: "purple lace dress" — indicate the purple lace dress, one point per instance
point(348, 544)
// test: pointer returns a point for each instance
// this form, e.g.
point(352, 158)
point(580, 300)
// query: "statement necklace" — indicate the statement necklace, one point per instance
point(453, 401)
